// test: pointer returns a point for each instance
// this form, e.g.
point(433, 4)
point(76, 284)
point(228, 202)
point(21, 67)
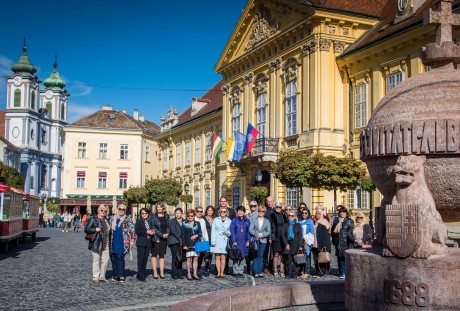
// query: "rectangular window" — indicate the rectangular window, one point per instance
point(292, 197)
point(358, 199)
point(394, 79)
point(102, 182)
point(124, 152)
point(261, 114)
point(208, 148)
point(102, 151)
point(197, 198)
point(208, 196)
point(187, 154)
point(361, 105)
point(197, 150)
point(291, 109)
point(82, 150)
point(236, 117)
point(123, 183)
point(165, 159)
point(179, 155)
point(81, 178)
point(147, 153)
point(31, 182)
point(235, 196)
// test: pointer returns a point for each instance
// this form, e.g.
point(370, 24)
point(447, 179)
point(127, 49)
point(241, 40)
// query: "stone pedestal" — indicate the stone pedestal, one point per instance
point(374, 282)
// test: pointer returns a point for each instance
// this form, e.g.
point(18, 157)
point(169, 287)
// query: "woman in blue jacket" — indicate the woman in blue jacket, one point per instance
point(239, 229)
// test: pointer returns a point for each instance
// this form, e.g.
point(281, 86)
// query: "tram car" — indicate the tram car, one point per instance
point(11, 206)
point(30, 217)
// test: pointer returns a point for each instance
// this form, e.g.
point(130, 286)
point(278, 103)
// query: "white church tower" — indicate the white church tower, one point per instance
point(33, 122)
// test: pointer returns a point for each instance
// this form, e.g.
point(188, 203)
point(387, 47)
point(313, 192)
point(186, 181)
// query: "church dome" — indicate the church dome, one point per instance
point(24, 66)
point(55, 81)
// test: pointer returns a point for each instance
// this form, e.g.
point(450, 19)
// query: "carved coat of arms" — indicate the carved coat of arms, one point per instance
point(402, 230)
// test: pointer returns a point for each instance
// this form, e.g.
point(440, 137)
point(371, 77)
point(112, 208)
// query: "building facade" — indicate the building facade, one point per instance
point(280, 74)
point(34, 119)
point(185, 147)
point(105, 153)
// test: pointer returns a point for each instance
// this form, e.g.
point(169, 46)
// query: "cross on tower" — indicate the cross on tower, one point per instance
point(444, 19)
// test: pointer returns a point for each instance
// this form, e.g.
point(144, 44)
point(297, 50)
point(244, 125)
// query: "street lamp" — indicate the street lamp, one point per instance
point(186, 188)
point(259, 177)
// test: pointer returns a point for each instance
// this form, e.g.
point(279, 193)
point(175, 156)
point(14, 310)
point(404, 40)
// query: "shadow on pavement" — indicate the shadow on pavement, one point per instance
point(14, 252)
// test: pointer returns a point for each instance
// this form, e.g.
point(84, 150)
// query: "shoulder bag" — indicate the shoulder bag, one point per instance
point(300, 258)
point(254, 245)
point(324, 256)
point(202, 246)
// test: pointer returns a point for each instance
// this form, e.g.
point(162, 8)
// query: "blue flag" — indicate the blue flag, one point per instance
point(239, 146)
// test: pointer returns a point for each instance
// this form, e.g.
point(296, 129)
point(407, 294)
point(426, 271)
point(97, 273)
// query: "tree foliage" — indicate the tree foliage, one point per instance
point(292, 169)
point(186, 198)
point(258, 192)
point(135, 195)
point(163, 190)
point(11, 177)
point(367, 184)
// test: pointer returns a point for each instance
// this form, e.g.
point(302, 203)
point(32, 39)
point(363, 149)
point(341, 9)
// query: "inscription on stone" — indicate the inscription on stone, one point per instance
point(416, 137)
point(406, 292)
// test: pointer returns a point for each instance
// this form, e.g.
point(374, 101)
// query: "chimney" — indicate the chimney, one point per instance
point(136, 114)
point(124, 111)
point(106, 107)
point(141, 118)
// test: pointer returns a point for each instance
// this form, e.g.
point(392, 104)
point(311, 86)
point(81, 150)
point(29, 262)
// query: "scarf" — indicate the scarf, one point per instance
point(291, 230)
point(146, 222)
point(358, 232)
point(114, 221)
point(339, 225)
point(194, 228)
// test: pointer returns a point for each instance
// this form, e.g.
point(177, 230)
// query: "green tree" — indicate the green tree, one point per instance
point(258, 192)
point(11, 177)
point(135, 195)
point(163, 190)
point(367, 184)
point(292, 168)
point(334, 173)
point(52, 204)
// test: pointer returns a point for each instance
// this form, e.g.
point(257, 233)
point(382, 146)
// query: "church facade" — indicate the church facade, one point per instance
point(34, 121)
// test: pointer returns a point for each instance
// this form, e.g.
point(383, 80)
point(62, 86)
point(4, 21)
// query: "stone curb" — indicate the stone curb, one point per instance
point(267, 296)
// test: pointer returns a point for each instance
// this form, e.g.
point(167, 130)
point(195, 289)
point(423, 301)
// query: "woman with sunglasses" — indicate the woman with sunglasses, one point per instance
point(99, 245)
point(260, 230)
point(277, 221)
point(361, 233)
point(160, 239)
point(341, 227)
point(220, 233)
point(175, 244)
point(144, 232)
point(308, 233)
point(121, 240)
point(191, 232)
point(293, 243)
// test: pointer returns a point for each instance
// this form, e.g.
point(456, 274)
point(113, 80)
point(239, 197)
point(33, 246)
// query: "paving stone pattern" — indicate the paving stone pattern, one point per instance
point(54, 272)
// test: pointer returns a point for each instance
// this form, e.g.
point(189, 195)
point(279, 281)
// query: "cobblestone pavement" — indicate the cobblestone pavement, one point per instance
point(54, 272)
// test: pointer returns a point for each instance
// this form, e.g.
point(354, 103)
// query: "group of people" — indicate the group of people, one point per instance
point(65, 220)
point(269, 238)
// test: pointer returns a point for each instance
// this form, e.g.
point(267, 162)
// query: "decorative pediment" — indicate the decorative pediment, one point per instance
point(263, 28)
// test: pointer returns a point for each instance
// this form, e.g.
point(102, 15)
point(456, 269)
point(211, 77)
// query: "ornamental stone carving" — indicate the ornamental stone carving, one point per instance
point(325, 44)
point(247, 78)
point(309, 47)
point(235, 95)
point(225, 88)
point(275, 64)
point(339, 46)
point(263, 28)
point(260, 86)
point(290, 69)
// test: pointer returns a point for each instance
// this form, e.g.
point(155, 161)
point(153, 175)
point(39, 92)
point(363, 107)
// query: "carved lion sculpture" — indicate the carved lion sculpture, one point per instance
point(412, 189)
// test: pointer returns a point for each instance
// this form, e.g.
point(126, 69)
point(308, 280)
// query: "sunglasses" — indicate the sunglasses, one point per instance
point(223, 212)
point(122, 209)
point(359, 217)
point(253, 205)
point(144, 213)
point(291, 215)
point(104, 210)
point(260, 211)
point(199, 211)
point(304, 213)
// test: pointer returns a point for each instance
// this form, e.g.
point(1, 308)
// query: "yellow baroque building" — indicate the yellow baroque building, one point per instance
point(185, 144)
point(280, 74)
point(104, 154)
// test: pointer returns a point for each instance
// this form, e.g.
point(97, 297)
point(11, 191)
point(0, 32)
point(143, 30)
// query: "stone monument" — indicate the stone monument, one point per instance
point(411, 147)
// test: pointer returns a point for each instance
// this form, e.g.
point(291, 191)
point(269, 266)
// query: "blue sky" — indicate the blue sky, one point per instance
point(126, 54)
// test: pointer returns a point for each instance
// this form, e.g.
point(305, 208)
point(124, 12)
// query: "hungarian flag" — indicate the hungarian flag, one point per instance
point(251, 136)
point(217, 143)
point(230, 150)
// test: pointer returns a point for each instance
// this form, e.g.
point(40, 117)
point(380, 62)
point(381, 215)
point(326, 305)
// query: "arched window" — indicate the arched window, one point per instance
point(236, 117)
point(62, 112)
point(236, 196)
point(261, 114)
point(17, 98)
point(43, 180)
point(32, 100)
point(291, 109)
point(49, 107)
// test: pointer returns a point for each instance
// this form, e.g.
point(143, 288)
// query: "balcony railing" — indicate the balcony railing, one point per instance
point(265, 144)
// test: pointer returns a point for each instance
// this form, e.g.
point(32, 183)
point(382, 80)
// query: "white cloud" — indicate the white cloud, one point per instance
point(78, 88)
point(77, 111)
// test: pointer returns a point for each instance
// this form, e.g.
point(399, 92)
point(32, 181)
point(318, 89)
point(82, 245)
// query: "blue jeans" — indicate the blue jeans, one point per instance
point(118, 265)
point(258, 261)
point(341, 261)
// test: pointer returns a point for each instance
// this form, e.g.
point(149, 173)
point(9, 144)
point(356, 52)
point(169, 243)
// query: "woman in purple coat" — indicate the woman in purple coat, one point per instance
point(239, 229)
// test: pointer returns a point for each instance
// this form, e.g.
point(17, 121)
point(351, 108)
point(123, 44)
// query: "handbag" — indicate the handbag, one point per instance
point(300, 259)
point(324, 256)
point(90, 236)
point(235, 254)
point(202, 246)
point(254, 245)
